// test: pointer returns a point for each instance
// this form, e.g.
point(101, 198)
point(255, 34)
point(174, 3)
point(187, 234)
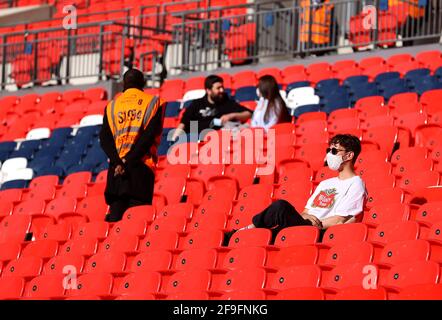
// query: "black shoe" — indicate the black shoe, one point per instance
point(227, 236)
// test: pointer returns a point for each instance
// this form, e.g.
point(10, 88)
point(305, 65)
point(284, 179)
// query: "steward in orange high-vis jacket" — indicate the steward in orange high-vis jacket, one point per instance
point(130, 136)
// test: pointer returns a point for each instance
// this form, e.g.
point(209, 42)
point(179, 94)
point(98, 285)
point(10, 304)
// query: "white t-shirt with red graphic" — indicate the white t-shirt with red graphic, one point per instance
point(336, 197)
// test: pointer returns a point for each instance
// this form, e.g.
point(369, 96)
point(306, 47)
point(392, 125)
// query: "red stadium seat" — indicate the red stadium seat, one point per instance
point(44, 249)
point(191, 280)
point(350, 275)
point(293, 256)
point(296, 277)
point(404, 251)
point(392, 212)
point(26, 267)
point(360, 293)
point(93, 207)
point(202, 239)
point(45, 287)
point(64, 264)
point(196, 259)
point(83, 247)
point(297, 236)
point(120, 243)
point(412, 273)
point(139, 283)
point(14, 228)
point(252, 237)
point(345, 233)
point(92, 285)
point(11, 287)
point(395, 231)
point(248, 279)
point(352, 252)
point(421, 292)
point(163, 240)
point(152, 261)
point(245, 257)
point(310, 293)
point(414, 181)
point(106, 262)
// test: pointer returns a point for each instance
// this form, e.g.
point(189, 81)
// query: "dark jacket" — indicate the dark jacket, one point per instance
point(138, 180)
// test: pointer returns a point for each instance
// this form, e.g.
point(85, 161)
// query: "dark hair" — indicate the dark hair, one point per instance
point(211, 80)
point(349, 142)
point(133, 78)
point(269, 89)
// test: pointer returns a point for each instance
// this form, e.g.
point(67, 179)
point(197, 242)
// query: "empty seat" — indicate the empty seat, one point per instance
point(412, 273)
point(404, 251)
point(395, 231)
point(242, 279)
point(139, 283)
point(296, 277)
point(350, 275)
point(45, 287)
point(345, 233)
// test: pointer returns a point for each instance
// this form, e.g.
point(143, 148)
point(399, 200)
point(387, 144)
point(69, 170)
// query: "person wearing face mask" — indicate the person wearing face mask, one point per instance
point(335, 201)
point(213, 110)
point(271, 108)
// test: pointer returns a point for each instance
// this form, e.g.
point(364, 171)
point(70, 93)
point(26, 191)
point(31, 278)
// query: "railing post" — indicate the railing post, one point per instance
point(141, 22)
point(123, 44)
point(220, 34)
point(101, 50)
point(376, 26)
point(68, 56)
point(35, 71)
point(183, 41)
point(256, 48)
point(4, 46)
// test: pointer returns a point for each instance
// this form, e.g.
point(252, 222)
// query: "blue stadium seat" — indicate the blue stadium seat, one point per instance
point(413, 75)
point(50, 170)
point(172, 109)
point(394, 86)
point(7, 146)
point(364, 90)
point(53, 151)
point(31, 144)
point(25, 153)
point(80, 168)
point(89, 131)
point(246, 94)
point(298, 84)
point(355, 80)
point(42, 162)
point(306, 108)
point(14, 184)
point(438, 73)
point(95, 156)
point(385, 77)
point(4, 155)
point(101, 167)
point(327, 85)
point(426, 83)
point(58, 137)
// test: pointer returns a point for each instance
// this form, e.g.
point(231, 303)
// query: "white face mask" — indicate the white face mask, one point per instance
point(334, 161)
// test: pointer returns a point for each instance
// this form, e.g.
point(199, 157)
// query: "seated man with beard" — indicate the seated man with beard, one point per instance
point(215, 105)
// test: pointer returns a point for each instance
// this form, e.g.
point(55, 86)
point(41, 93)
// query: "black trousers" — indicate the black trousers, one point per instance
point(118, 207)
point(279, 215)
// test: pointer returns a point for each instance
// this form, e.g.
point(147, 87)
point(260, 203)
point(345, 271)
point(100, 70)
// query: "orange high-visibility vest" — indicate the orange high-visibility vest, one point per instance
point(131, 112)
point(414, 10)
point(320, 24)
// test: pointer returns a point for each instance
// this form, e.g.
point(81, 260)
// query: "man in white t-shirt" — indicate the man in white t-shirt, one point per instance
point(335, 200)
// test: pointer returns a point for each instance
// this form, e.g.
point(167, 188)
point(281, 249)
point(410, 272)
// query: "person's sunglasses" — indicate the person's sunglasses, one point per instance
point(334, 151)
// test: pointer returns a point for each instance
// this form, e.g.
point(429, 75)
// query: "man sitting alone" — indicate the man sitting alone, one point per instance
point(335, 200)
